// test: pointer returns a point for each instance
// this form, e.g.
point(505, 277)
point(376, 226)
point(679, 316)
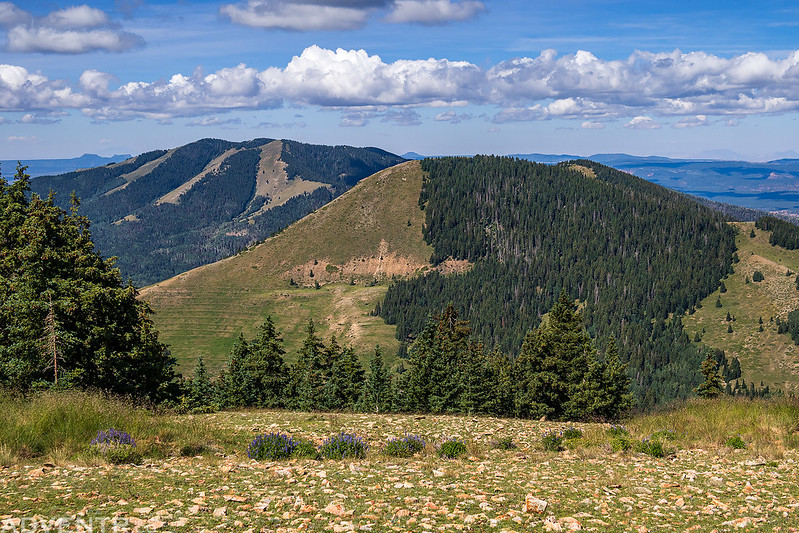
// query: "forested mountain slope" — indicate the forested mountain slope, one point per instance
point(167, 211)
point(636, 254)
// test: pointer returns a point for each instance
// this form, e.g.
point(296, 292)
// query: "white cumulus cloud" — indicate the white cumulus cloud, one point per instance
point(434, 12)
point(645, 90)
point(76, 17)
point(300, 16)
point(592, 125)
point(312, 15)
point(11, 15)
point(642, 123)
point(74, 30)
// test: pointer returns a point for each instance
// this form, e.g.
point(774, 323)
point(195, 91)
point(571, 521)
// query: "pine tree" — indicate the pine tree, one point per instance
point(49, 268)
point(234, 383)
point(267, 374)
point(308, 374)
point(712, 386)
point(500, 378)
point(376, 396)
point(532, 383)
point(616, 385)
point(722, 287)
point(474, 380)
point(350, 374)
point(200, 394)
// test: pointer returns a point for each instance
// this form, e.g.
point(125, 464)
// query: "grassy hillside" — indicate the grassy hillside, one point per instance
point(369, 234)
point(198, 476)
point(764, 356)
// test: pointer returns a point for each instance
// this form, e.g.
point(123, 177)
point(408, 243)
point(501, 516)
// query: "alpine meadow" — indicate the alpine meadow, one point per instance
point(399, 266)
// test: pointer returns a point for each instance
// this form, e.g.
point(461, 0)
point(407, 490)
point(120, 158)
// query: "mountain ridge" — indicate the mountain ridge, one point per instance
point(166, 211)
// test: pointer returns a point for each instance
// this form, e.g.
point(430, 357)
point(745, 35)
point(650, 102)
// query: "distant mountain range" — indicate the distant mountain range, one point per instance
point(167, 211)
point(767, 186)
point(43, 167)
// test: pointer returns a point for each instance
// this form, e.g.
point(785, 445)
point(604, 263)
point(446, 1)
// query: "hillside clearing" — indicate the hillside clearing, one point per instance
point(764, 356)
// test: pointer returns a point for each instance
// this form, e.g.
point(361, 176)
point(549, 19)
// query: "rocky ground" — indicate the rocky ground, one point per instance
point(586, 486)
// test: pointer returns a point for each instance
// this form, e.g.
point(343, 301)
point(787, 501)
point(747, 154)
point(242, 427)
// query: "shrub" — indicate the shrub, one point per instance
point(736, 442)
point(572, 433)
point(552, 441)
point(651, 447)
point(404, 447)
point(306, 450)
point(344, 445)
point(116, 446)
point(621, 443)
point(505, 443)
point(452, 448)
point(667, 434)
point(271, 447)
point(618, 431)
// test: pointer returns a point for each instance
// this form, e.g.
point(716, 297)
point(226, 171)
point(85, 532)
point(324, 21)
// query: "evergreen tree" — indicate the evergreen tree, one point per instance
point(266, 371)
point(500, 378)
point(308, 374)
point(616, 389)
point(451, 343)
point(52, 278)
point(712, 385)
point(200, 393)
point(234, 383)
point(534, 395)
point(345, 379)
point(474, 380)
point(376, 395)
point(722, 287)
point(414, 387)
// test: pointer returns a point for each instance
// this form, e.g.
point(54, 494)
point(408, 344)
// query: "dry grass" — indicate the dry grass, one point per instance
point(374, 231)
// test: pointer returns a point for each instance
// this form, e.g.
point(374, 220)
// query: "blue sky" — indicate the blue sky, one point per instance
point(431, 76)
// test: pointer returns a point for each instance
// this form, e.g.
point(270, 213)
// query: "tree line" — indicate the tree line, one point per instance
point(559, 374)
point(783, 233)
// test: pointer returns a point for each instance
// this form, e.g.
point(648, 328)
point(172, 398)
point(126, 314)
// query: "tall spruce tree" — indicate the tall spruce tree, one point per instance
point(200, 392)
point(712, 386)
point(376, 393)
point(558, 373)
point(308, 374)
point(500, 379)
point(344, 384)
point(267, 374)
point(51, 274)
point(474, 380)
point(233, 382)
point(433, 382)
